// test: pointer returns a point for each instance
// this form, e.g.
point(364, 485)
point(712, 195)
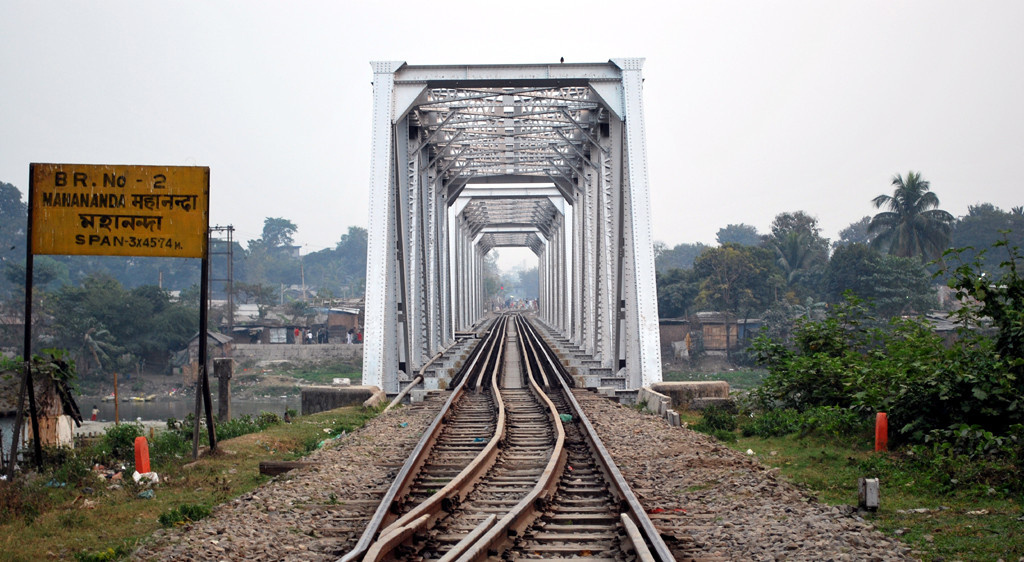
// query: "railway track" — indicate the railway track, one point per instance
point(512, 469)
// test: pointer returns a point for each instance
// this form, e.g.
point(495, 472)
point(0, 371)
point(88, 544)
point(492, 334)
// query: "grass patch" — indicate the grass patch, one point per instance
point(970, 523)
point(740, 379)
point(326, 373)
point(48, 522)
point(973, 517)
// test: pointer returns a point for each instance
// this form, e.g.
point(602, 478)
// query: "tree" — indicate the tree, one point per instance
point(983, 226)
point(800, 252)
point(679, 257)
point(734, 279)
point(277, 232)
point(270, 258)
point(739, 234)
point(857, 232)
point(677, 291)
point(913, 225)
point(13, 219)
point(894, 285)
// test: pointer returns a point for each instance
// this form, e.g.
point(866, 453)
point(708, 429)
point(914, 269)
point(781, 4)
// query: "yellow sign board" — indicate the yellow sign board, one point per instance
point(82, 209)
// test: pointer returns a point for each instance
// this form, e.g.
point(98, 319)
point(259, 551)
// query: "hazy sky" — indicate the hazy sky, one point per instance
point(752, 107)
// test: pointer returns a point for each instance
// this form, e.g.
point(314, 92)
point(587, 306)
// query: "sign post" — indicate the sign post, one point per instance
point(115, 210)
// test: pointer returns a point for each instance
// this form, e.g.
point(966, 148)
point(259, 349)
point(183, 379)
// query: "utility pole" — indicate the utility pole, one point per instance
point(224, 246)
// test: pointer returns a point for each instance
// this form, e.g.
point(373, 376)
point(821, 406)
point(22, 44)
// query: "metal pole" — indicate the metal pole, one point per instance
point(204, 305)
point(38, 449)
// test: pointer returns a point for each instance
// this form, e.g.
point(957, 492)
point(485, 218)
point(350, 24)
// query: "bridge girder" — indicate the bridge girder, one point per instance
point(570, 138)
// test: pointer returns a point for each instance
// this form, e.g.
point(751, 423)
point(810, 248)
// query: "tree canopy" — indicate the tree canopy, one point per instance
point(912, 225)
point(738, 234)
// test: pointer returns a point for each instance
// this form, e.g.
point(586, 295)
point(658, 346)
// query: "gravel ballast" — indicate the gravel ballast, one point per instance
point(712, 503)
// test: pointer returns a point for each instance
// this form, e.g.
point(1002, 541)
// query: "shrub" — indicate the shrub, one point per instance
point(68, 465)
point(119, 441)
point(225, 430)
point(103, 555)
point(715, 419)
point(167, 445)
point(833, 422)
point(773, 423)
point(184, 514)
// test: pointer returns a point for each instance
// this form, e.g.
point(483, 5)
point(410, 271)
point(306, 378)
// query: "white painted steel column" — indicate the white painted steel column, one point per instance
point(645, 368)
point(608, 257)
point(379, 314)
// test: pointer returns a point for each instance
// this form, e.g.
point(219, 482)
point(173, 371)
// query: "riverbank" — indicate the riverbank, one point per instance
point(67, 512)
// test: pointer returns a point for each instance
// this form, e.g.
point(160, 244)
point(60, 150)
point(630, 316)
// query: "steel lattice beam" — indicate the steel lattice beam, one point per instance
point(571, 139)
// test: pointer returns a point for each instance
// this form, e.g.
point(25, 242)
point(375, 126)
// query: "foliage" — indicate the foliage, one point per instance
point(680, 256)
point(714, 418)
point(913, 225)
point(734, 279)
point(101, 321)
point(341, 269)
point(826, 421)
point(931, 391)
point(227, 430)
point(677, 290)
point(13, 221)
point(119, 441)
point(184, 514)
point(109, 554)
point(894, 285)
point(743, 234)
point(984, 225)
point(168, 445)
point(855, 233)
point(800, 252)
point(1001, 299)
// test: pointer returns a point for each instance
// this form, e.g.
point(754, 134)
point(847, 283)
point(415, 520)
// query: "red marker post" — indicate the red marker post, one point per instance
point(881, 432)
point(141, 455)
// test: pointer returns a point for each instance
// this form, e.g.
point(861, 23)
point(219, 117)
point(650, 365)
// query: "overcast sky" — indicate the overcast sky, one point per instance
point(752, 107)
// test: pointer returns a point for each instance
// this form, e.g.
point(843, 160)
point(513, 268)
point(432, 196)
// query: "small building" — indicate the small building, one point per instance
point(705, 332)
point(56, 409)
point(217, 345)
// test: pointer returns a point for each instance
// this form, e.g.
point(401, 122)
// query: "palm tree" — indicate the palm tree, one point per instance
point(913, 224)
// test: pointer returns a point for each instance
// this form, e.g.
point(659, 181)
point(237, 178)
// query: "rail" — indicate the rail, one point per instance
point(415, 458)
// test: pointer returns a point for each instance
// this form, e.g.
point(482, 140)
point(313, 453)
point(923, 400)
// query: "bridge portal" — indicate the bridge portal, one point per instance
point(551, 157)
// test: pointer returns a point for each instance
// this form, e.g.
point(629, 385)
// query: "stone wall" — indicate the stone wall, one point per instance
point(298, 353)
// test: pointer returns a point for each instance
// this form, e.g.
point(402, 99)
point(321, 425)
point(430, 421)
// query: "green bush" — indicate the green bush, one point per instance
point(69, 466)
point(850, 362)
point(827, 421)
point(167, 445)
point(773, 423)
point(184, 514)
point(119, 441)
point(715, 419)
point(225, 430)
point(834, 422)
point(103, 555)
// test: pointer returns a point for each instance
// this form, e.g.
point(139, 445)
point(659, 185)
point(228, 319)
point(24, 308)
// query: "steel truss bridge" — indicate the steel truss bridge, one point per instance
point(551, 157)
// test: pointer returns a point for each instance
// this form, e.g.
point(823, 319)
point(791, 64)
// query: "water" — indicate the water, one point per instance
point(178, 408)
point(161, 409)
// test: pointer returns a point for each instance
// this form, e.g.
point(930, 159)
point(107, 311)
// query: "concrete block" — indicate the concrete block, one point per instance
point(626, 396)
point(727, 404)
point(417, 395)
point(867, 493)
point(606, 391)
point(683, 393)
point(673, 418)
point(322, 398)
